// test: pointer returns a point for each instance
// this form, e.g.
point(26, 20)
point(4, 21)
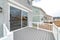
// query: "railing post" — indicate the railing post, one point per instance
point(5, 30)
point(7, 34)
point(55, 31)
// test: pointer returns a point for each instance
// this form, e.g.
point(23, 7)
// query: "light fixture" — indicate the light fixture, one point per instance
point(0, 9)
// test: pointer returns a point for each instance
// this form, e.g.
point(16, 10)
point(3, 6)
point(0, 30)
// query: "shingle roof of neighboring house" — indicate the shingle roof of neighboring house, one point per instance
point(56, 17)
point(39, 8)
point(46, 15)
point(42, 10)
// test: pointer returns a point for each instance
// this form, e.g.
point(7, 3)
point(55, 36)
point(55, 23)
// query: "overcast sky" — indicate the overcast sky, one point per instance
point(51, 7)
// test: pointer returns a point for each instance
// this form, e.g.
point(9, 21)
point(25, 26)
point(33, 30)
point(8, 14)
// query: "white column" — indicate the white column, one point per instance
point(30, 19)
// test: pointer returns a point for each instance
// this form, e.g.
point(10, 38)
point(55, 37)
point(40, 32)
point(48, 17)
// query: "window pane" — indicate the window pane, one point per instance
point(36, 18)
point(34, 25)
point(36, 11)
point(15, 18)
point(24, 19)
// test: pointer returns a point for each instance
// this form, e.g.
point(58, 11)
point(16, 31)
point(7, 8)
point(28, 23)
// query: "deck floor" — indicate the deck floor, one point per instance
point(33, 34)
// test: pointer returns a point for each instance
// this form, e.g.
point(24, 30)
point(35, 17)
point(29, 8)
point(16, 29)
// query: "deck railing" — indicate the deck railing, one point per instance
point(56, 32)
point(7, 35)
point(5, 30)
point(54, 29)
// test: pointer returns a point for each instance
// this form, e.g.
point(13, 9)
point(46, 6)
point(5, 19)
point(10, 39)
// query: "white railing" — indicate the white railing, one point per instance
point(58, 33)
point(55, 31)
point(7, 35)
point(48, 20)
point(5, 30)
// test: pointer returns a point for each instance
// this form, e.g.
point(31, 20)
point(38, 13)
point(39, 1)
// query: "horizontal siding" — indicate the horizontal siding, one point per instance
point(24, 3)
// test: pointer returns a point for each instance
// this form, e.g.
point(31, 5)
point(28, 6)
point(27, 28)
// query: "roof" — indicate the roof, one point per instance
point(42, 10)
point(39, 8)
point(56, 17)
point(48, 16)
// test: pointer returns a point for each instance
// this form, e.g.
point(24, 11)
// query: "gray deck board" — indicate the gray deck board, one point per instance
point(33, 34)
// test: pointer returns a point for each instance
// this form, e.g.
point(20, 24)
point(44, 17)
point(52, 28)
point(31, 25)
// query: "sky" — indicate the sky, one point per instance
point(51, 7)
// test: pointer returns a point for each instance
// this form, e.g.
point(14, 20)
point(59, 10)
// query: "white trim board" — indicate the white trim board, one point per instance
point(16, 7)
point(44, 29)
point(19, 29)
point(14, 2)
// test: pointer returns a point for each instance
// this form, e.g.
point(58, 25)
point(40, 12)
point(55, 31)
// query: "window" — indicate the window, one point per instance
point(36, 18)
point(15, 18)
point(24, 19)
point(18, 18)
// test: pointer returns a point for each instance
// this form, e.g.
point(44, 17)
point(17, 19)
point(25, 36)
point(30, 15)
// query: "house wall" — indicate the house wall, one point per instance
point(30, 19)
point(3, 15)
point(1, 28)
point(24, 3)
point(37, 16)
point(7, 10)
point(37, 12)
point(21, 8)
point(6, 14)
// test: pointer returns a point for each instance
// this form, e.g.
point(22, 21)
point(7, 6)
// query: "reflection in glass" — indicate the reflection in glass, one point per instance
point(24, 19)
point(15, 18)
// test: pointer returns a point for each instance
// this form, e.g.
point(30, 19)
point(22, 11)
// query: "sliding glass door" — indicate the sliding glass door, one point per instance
point(18, 18)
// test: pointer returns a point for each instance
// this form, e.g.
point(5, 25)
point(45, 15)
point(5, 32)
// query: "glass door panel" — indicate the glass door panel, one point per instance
point(15, 18)
point(24, 19)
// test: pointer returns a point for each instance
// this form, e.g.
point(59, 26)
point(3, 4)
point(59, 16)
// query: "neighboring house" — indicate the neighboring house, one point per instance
point(56, 21)
point(13, 13)
point(48, 18)
point(41, 19)
point(40, 14)
point(56, 18)
point(37, 16)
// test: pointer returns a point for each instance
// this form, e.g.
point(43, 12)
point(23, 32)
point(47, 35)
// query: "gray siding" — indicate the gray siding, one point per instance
point(4, 16)
point(39, 12)
point(1, 19)
point(6, 12)
point(25, 3)
point(1, 31)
